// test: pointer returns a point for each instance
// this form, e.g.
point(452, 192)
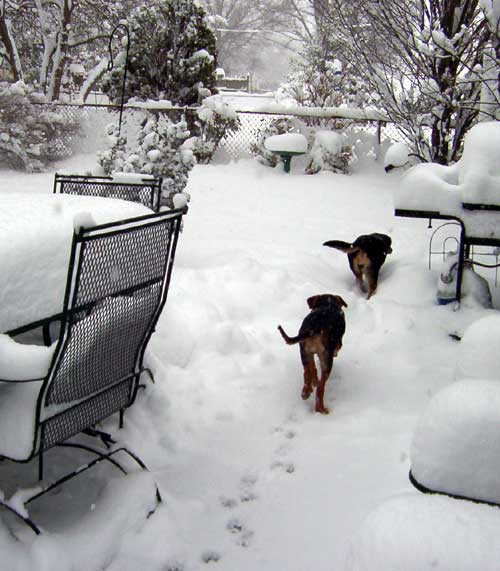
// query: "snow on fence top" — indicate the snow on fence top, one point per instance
point(269, 108)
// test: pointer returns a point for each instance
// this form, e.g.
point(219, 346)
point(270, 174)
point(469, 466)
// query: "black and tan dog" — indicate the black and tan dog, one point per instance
point(320, 334)
point(366, 255)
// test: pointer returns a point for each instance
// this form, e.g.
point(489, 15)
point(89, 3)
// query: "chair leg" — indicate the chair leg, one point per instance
point(122, 414)
point(109, 456)
point(40, 466)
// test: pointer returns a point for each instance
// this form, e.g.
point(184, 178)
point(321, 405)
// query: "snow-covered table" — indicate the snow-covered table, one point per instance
point(35, 239)
point(467, 192)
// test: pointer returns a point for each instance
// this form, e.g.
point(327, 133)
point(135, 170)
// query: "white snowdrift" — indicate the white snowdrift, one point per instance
point(455, 447)
point(479, 357)
point(414, 532)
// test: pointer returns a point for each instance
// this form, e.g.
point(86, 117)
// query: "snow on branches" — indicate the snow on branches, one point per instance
point(160, 149)
point(29, 134)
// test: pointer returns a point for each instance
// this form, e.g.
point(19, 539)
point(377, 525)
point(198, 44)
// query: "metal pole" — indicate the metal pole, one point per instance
point(111, 65)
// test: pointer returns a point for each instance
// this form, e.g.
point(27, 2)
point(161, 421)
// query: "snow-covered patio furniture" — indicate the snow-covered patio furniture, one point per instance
point(416, 532)
point(467, 192)
point(455, 456)
point(36, 231)
point(456, 446)
point(116, 287)
point(136, 187)
point(286, 146)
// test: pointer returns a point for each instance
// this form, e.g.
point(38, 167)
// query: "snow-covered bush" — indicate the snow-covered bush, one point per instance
point(117, 152)
point(28, 133)
point(217, 119)
point(160, 149)
point(329, 152)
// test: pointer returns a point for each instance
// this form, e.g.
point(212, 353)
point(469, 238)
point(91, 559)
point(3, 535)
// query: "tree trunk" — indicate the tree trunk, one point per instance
point(7, 38)
point(60, 57)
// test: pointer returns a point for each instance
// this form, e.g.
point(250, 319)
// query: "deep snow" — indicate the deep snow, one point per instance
point(250, 477)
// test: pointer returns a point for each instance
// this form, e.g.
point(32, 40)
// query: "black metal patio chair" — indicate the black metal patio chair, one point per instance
point(146, 190)
point(117, 284)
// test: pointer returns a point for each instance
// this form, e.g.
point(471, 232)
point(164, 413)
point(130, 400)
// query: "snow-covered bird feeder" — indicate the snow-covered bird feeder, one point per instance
point(396, 157)
point(286, 146)
point(474, 287)
point(456, 446)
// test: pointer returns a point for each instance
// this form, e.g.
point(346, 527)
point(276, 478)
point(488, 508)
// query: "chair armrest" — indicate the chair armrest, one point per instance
point(21, 363)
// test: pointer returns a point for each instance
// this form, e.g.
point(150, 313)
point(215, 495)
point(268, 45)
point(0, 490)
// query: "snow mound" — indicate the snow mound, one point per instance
point(421, 533)
point(396, 156)
point(288, 142)
point(21, 362)
point(455, 447)
point(480, 357)
point(475, 178)
point(330, 141)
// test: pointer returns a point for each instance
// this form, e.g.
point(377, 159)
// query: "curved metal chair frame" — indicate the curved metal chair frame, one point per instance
point(146, 191)
point(117, 285)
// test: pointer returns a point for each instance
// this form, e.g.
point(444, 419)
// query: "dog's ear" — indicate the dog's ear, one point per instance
point(340, 245)
point(388, 243)
point(312, 301)
point(340, 301)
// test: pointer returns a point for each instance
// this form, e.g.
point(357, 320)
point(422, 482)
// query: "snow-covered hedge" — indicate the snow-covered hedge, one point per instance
point(161, 148)
point(329, 151)
point(28, 133)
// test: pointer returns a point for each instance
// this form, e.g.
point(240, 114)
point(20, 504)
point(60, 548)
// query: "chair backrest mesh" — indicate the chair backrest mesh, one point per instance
point(118, 285)
point(145, 192)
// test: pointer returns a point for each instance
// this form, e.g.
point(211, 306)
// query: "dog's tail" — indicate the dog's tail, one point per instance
point(340, 245)
point(291, 340)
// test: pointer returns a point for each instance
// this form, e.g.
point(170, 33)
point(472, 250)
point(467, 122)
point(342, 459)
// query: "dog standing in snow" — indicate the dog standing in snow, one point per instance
point(366, 256)
point(320, 334)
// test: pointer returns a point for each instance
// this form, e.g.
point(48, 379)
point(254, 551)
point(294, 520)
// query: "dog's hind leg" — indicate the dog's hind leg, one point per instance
point(310, 373)
point(326, 360)
point(371, 284)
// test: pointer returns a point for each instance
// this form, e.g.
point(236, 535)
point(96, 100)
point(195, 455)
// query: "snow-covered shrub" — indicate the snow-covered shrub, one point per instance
point(29, 133)
point(117, 152)
point(217, 119)
point(329, 152)
point(160, 149)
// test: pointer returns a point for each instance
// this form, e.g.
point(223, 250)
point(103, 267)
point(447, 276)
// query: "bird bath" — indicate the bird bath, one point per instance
point(287, 146)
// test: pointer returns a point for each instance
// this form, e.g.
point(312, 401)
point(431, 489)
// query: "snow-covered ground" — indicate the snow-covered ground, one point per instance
point(251, 478)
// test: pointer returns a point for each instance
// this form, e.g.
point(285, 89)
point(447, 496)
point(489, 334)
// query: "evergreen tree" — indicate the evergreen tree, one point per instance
point(172, 54)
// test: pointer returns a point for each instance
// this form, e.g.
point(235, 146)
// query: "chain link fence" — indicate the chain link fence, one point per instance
point(94, 118)
point(254, 125)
